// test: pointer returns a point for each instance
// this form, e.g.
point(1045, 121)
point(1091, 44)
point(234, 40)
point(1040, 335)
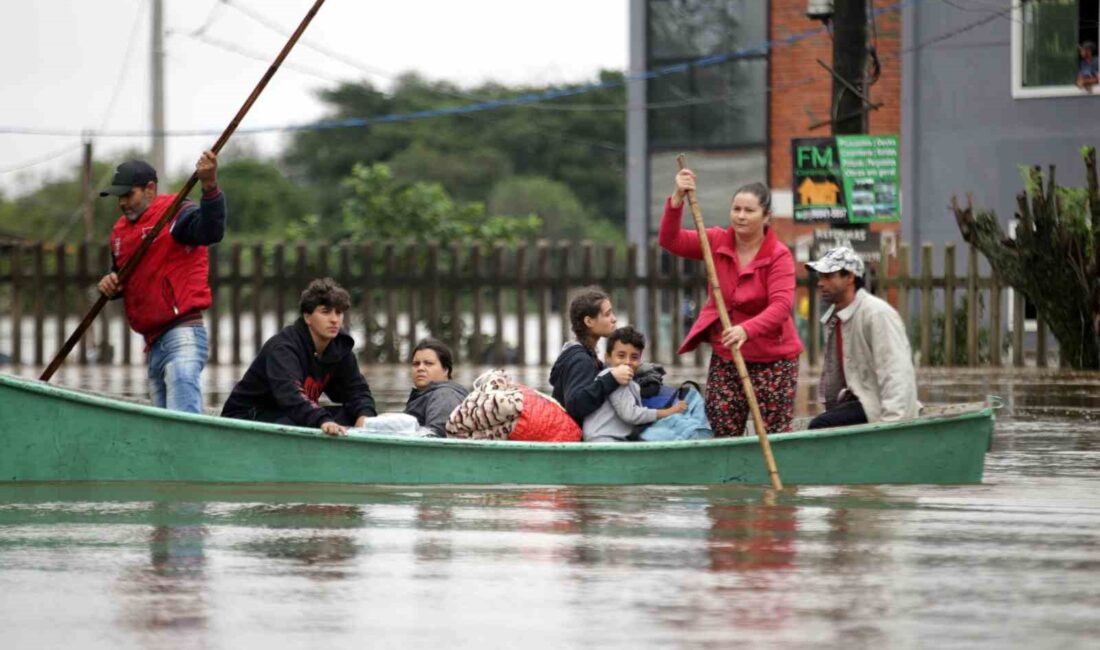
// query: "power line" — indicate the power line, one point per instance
point(550, 95)
point(33, 162)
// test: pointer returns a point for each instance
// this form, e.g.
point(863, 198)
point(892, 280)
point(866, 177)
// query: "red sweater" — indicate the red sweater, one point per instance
point(759, 297)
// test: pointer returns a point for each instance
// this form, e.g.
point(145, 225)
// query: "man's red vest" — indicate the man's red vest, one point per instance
point(169, 281)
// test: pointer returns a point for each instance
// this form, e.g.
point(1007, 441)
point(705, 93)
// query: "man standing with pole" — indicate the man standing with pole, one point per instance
point(169, 289)
point(168, 214)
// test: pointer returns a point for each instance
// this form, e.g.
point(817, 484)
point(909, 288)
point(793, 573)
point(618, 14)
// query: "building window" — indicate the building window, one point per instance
point(716, 106)
point(1047, 40)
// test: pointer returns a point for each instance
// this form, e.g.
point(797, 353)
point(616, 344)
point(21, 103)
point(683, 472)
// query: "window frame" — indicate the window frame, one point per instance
point(1019, 90)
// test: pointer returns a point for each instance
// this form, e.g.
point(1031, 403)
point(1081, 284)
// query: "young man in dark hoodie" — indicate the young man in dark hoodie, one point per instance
point(574, 375)
point(294, 367)
point(434, 395)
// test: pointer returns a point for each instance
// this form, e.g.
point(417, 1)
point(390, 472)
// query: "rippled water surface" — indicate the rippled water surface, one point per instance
point(1014, 562)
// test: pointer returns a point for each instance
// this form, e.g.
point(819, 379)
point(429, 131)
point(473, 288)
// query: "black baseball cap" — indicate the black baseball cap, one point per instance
point(135, 173)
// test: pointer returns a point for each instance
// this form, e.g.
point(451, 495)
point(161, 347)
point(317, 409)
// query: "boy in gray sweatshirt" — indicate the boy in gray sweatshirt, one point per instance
point(622, 412)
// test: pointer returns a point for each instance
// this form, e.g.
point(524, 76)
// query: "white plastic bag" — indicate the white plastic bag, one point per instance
point(391, 424)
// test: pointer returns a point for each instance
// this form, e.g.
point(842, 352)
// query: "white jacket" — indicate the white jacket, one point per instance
point(878, 364)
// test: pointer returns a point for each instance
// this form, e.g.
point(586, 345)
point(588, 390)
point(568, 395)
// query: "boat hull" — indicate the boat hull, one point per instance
point(55, 434)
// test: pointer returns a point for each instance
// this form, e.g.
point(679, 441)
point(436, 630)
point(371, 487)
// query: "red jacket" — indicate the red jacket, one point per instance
point(170, 281)
point(759, 297)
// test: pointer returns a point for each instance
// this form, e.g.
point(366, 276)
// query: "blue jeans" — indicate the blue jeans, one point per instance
point(176, 361)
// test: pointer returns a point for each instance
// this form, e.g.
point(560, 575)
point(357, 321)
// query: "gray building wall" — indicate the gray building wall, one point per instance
point(962, 130)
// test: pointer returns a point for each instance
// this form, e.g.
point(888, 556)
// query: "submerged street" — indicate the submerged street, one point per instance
point(1009, 563)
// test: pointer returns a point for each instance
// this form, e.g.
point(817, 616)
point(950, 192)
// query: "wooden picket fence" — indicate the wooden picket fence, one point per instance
point(508, 299)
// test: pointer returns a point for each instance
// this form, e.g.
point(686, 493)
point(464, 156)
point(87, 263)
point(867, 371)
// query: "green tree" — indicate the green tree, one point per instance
point(1054, 259)
point(53, 211)
point(562, 214)
point(381, 208)
point(577, 141)
point(261, 201)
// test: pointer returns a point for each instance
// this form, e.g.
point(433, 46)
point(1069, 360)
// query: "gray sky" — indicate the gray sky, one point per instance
point(80, 65)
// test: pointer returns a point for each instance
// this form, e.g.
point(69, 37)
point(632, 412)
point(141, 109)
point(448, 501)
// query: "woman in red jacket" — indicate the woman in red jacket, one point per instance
point(756, 273)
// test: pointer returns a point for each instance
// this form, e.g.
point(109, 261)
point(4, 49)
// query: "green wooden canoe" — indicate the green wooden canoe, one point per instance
point(49, 433)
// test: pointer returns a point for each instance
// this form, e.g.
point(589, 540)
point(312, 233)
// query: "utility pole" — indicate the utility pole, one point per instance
point(849, 112)
point(157, 74)
point(87, 207)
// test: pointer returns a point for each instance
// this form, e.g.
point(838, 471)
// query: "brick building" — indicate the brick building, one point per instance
point(735, 119)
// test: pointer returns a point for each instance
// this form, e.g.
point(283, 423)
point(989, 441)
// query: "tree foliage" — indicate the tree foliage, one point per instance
point(562, 160)
point(582, 147)
point(380, 208)
point(1054, 259)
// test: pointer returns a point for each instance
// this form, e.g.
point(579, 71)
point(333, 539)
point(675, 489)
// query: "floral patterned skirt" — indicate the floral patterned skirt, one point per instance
point(774, 384)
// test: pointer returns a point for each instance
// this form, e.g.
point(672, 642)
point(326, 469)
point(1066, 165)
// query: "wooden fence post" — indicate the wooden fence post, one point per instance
point(949, 304)
point(434, 324)
point(61, 309)
point(972, 309)
point(653, 268)
point(543, 301)
point(498, 303)
point(279, 284)
point(564, 250)
point(82, 299)
point(257, 298)
point(456, 301)
point(389, 339)
point(994, 319)
point(17, 258)
point(411, 281)
point(926, 305)
point(366, 280)
point(676, 293)
point(476, 349)
point(37, 289)
point(1017, 329)
point(235, 300)
point(105, 353)
point(521, 304)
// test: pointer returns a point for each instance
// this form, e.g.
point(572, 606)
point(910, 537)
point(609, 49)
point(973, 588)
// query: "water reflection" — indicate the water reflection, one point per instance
point(318, 538)
point(169, 593)
point(751, 537)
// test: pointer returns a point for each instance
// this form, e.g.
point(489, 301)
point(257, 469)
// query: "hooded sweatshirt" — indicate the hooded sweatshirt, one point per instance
point(287, 378)
point(575, 382)
point(619, 415)
point(432, 406)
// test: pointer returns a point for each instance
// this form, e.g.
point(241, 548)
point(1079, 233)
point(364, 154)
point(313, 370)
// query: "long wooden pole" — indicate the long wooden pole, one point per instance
point(128, 269)
point(720, 302)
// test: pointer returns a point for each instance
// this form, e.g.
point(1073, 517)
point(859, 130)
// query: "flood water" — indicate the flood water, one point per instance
point(1013, 562)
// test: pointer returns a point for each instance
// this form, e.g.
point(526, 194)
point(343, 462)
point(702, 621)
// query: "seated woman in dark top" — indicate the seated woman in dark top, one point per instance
point(434, 395)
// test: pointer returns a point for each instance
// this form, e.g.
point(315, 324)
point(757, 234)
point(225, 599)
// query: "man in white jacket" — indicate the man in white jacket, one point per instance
point(868, 372)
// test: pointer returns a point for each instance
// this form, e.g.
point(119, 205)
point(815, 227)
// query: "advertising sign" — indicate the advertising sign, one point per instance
point(846, 179)
point(866, 244)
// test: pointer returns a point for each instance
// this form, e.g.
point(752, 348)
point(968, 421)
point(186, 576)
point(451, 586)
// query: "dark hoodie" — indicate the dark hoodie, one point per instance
point(432, 406)
point(287, 379)
point(575, 381)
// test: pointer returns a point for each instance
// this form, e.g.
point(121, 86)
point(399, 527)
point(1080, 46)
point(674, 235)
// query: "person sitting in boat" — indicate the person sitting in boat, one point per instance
point(167, 292)
point(868, 372)
point(622, 412)
point(574, 375)
point(756, 273)
point(434, 395)
point(294, 367)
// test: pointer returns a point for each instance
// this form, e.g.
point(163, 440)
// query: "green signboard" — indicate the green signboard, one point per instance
point(846, 179)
